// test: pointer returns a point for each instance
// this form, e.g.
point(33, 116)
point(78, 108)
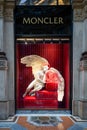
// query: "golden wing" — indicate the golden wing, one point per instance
point(34, 61)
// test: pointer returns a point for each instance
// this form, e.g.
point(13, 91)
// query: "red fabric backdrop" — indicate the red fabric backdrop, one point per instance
point(58, 56)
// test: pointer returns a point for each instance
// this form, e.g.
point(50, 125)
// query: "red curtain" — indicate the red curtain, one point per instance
point(58, 57)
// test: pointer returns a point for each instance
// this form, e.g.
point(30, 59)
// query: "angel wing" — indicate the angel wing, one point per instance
point(60, 81)
point(34, 61)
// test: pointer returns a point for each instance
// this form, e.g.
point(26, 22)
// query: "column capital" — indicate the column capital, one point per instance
point(1, 9)
point(79, 10)
point(8, 10)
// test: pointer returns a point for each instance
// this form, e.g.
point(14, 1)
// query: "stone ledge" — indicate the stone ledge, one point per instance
point(78, 119)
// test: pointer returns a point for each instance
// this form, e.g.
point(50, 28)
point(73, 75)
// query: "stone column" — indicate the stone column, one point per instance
point(9, 49)
point(4, 104)
point(7, 103)
point(83, 86)
point(79, 103)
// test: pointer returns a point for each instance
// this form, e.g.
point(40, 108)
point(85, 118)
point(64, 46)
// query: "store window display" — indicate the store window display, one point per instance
point(44, 76)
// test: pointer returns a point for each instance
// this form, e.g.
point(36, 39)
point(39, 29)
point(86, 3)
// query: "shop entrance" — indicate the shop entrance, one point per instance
point(57, 53)
point(39, 33)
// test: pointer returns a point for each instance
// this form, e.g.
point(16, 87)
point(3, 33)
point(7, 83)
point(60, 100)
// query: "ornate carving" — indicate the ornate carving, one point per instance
point(85, 12)
point(3, 64)
point(8, 14)
point(80, 9)
point(1, 10)
point(3, 61)
point(83, 61)
point(78, 14)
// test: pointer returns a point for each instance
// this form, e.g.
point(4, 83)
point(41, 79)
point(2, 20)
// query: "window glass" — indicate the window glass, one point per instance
point(42, 2)
point(38, 61)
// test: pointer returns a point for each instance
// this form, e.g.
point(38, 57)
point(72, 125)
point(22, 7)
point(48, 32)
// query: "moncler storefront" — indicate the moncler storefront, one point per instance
point(43, 57)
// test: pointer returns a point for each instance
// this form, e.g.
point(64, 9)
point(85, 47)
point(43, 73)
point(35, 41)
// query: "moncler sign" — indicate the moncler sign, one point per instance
point(43, 19)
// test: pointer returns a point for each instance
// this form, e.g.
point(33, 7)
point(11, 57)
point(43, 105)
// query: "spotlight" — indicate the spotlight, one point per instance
point(43, 41)
point(60, 41)
point(26, 42)
point(51, 42)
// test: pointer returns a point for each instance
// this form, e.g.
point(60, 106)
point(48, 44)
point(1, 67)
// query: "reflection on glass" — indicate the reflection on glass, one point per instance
point(42, 2)
point(36, 2)
point(64, 2)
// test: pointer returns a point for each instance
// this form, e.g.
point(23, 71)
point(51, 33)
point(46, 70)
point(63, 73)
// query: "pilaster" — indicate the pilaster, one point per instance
point(9, 49)
point(4, 107)
point(7, 100)
point(79, 102)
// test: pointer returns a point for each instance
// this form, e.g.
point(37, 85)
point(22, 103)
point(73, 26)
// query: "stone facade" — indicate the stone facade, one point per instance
point(79, 101)
point(7, 78)
point(7, 98)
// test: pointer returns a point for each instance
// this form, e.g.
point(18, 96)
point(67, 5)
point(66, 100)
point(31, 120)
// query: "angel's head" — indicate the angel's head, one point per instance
point(46, 67)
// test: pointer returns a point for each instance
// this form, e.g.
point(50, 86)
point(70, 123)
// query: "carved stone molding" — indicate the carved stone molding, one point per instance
point(79, 9)
point(8, 10)
point(78, 14)
point(85, 11)
point(1, 11)
point(83, 61)
point(8, 14)
point(3, 61)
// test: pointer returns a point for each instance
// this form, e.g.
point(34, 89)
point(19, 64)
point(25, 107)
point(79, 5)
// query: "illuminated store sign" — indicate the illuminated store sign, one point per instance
point(46, 20)
point(43, 19)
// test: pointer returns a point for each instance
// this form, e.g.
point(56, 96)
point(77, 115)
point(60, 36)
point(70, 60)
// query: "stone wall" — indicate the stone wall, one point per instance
point(7, 89)
point(79, 102)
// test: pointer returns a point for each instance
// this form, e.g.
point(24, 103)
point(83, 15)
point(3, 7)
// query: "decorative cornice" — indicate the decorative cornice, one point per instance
point(79, 10)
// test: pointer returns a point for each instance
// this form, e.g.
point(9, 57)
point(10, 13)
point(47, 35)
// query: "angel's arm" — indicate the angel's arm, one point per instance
point(31, 85)
point(40, 76)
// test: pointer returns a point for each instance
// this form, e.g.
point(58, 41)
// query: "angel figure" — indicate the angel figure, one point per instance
point(43, 74)
point(52, 75)
point(37, 63)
